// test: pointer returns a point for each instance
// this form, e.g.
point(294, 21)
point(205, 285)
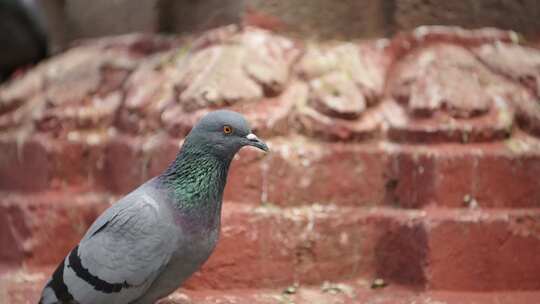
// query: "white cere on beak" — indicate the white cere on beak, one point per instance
point(252, 136)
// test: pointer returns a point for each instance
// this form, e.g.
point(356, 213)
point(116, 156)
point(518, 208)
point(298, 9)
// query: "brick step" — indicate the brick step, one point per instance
point(21, 287)
point(455, 249)
point(296, 172)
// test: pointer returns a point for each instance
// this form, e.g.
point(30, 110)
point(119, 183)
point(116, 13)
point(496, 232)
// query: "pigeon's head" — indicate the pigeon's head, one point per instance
point(224, 132)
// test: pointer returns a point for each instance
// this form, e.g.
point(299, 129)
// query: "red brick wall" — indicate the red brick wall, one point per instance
point(414, 159)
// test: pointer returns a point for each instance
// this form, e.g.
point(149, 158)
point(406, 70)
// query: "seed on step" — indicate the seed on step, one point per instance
point(291, 289)
point(378, 283)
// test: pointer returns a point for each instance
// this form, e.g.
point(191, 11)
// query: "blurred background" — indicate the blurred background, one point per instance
point(404, 136)
point(36, 28)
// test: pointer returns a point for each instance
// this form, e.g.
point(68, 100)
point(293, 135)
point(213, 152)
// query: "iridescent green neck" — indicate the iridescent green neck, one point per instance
point(196, 180)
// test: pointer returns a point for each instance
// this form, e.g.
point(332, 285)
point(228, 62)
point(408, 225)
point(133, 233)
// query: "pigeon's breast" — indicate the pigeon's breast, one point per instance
point(192, 252)
point(201, 245)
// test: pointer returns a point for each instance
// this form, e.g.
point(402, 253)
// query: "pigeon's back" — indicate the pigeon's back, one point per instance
point(121, 254)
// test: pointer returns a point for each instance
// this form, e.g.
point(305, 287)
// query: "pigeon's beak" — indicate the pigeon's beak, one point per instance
point(253, 140)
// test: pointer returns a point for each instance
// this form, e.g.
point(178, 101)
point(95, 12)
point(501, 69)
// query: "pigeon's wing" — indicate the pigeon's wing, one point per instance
point(122, 252)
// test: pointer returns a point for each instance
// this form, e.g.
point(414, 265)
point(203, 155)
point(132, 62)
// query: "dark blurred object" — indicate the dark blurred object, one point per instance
point(23, 38)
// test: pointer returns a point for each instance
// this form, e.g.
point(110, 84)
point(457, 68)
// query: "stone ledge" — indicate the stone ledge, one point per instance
point(311, 244)
point(298, 170)
point(22, 287)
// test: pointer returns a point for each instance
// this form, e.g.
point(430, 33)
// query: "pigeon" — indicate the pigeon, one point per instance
point(145, 245)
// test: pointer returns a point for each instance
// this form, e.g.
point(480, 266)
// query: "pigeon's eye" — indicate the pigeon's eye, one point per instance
point(227, 129)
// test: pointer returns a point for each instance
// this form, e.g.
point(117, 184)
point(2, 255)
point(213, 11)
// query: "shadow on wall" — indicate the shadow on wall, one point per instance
point(401, 255)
